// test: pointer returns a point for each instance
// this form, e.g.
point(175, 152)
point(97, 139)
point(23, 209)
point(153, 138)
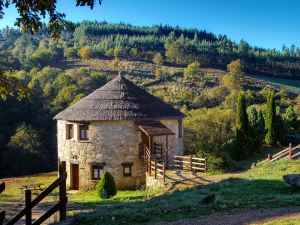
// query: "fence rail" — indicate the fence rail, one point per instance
point(159, 170)
point(191, 162)
point(288, 152)
point(60, 206)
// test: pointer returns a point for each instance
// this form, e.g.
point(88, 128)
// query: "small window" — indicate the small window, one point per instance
point(70, 131)
point(96, 172)
point(83, 132)
point(180, 128)
point(127, 169)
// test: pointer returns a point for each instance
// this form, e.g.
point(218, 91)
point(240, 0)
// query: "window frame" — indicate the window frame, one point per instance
point(96, 167)
point(86, 132)
point(127, 165)
point(69, 136)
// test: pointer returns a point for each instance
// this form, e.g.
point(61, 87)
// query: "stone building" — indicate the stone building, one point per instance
point(110, 129)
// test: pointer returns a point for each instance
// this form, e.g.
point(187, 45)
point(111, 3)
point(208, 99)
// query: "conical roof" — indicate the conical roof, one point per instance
point(119, 99)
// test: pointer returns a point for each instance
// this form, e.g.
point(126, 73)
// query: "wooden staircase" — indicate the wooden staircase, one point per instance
point(157, 163)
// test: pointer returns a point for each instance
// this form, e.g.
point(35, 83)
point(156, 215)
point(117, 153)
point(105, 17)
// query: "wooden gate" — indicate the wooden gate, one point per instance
point(61, 206)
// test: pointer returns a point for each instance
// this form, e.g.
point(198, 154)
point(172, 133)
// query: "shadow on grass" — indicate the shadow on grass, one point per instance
point(231, 194)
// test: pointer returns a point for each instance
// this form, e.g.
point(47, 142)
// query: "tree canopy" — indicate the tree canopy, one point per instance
point(33, 11)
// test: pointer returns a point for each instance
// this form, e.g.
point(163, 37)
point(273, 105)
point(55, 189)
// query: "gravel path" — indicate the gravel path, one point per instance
point(256, 216)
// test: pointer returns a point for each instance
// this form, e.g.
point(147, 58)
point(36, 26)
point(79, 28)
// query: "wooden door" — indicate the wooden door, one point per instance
point(74, 177)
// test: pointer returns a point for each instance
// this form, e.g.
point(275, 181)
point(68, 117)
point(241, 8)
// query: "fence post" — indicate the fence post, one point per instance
point(155, 169)
point(2, 217)
point(191, 162)
point(269, 157)
point(28, 216)
point(164, 172)
point(205, 164)
point(62, 192)
point(290, 151)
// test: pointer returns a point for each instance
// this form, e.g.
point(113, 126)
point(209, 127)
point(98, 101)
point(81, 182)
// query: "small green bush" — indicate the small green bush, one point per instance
point(106, 187)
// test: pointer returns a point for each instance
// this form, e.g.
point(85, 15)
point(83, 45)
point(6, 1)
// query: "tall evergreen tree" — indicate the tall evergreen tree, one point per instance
point(242, 128)
point(270, 121)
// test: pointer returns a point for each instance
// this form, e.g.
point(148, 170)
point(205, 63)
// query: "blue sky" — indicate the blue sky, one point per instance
point(264, 23)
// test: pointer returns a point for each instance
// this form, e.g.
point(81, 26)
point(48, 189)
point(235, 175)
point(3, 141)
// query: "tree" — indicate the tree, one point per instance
point(242, 128)
point(106, 187)
point(233, 79)
point(192, 71)
point(117, 52)
point(85, 52)
point(290, 117)
point(174, 52)
point(70, 53)
point(158, 73)
point(11, 85)
point(270, 121)
point(34, 11)
point(26, 138)
point(158, 59)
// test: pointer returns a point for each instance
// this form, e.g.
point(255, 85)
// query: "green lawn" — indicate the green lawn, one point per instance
point(13, 194)
point(261, 186)
point(290, 85)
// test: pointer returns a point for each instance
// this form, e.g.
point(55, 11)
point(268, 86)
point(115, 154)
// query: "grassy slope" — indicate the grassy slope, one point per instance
point(290, 85)
point(261, 186)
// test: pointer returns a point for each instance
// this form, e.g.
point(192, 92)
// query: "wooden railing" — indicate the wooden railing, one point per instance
point(191, 162)
point(2, 214)
point(159, 170)
point(285, 153)
point(60, 206)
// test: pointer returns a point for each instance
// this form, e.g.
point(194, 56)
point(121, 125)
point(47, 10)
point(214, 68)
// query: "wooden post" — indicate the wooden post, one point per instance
point(155, 169)
point(2, 217)
point(164, 172)
point(205, 164)
point(150, 152)
point(191, 162)
point(269, 157)
point(62, 192)
point(167, 151)
point(290, 151)
point(28, 216)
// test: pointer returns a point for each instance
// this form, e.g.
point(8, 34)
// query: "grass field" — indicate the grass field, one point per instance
point(290, 85)
point(282, 221)
point(259, 187)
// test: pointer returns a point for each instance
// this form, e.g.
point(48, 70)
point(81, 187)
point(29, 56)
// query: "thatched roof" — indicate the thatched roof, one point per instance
point(119, 99)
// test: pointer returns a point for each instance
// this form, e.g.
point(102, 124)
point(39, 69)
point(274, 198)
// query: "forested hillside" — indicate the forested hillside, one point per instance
point(195, 71)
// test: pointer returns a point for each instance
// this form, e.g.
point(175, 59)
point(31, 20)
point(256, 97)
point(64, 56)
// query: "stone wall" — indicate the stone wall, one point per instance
point(112, 143)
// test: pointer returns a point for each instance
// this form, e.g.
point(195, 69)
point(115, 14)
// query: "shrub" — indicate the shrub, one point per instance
point(106, 187)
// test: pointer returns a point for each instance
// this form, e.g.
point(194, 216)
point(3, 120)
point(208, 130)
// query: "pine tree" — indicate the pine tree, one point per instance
point(270, 121)
point(106, 187)
point(242, 128)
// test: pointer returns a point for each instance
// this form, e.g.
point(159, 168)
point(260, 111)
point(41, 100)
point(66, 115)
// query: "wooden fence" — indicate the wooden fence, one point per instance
point(61, 206)
point(191, 162)
point(159, 170)
point(290, 153)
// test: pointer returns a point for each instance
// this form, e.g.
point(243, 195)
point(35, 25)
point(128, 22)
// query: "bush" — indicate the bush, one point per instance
point(106, 187)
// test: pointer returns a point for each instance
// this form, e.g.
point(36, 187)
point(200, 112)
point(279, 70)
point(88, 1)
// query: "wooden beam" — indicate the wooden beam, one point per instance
point(28, 208)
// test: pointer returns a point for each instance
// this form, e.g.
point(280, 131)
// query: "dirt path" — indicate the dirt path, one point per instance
point(257, 216)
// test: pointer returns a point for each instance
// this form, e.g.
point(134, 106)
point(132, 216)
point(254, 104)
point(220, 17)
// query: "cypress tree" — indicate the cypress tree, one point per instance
point(242, 128)
point(270, 121)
